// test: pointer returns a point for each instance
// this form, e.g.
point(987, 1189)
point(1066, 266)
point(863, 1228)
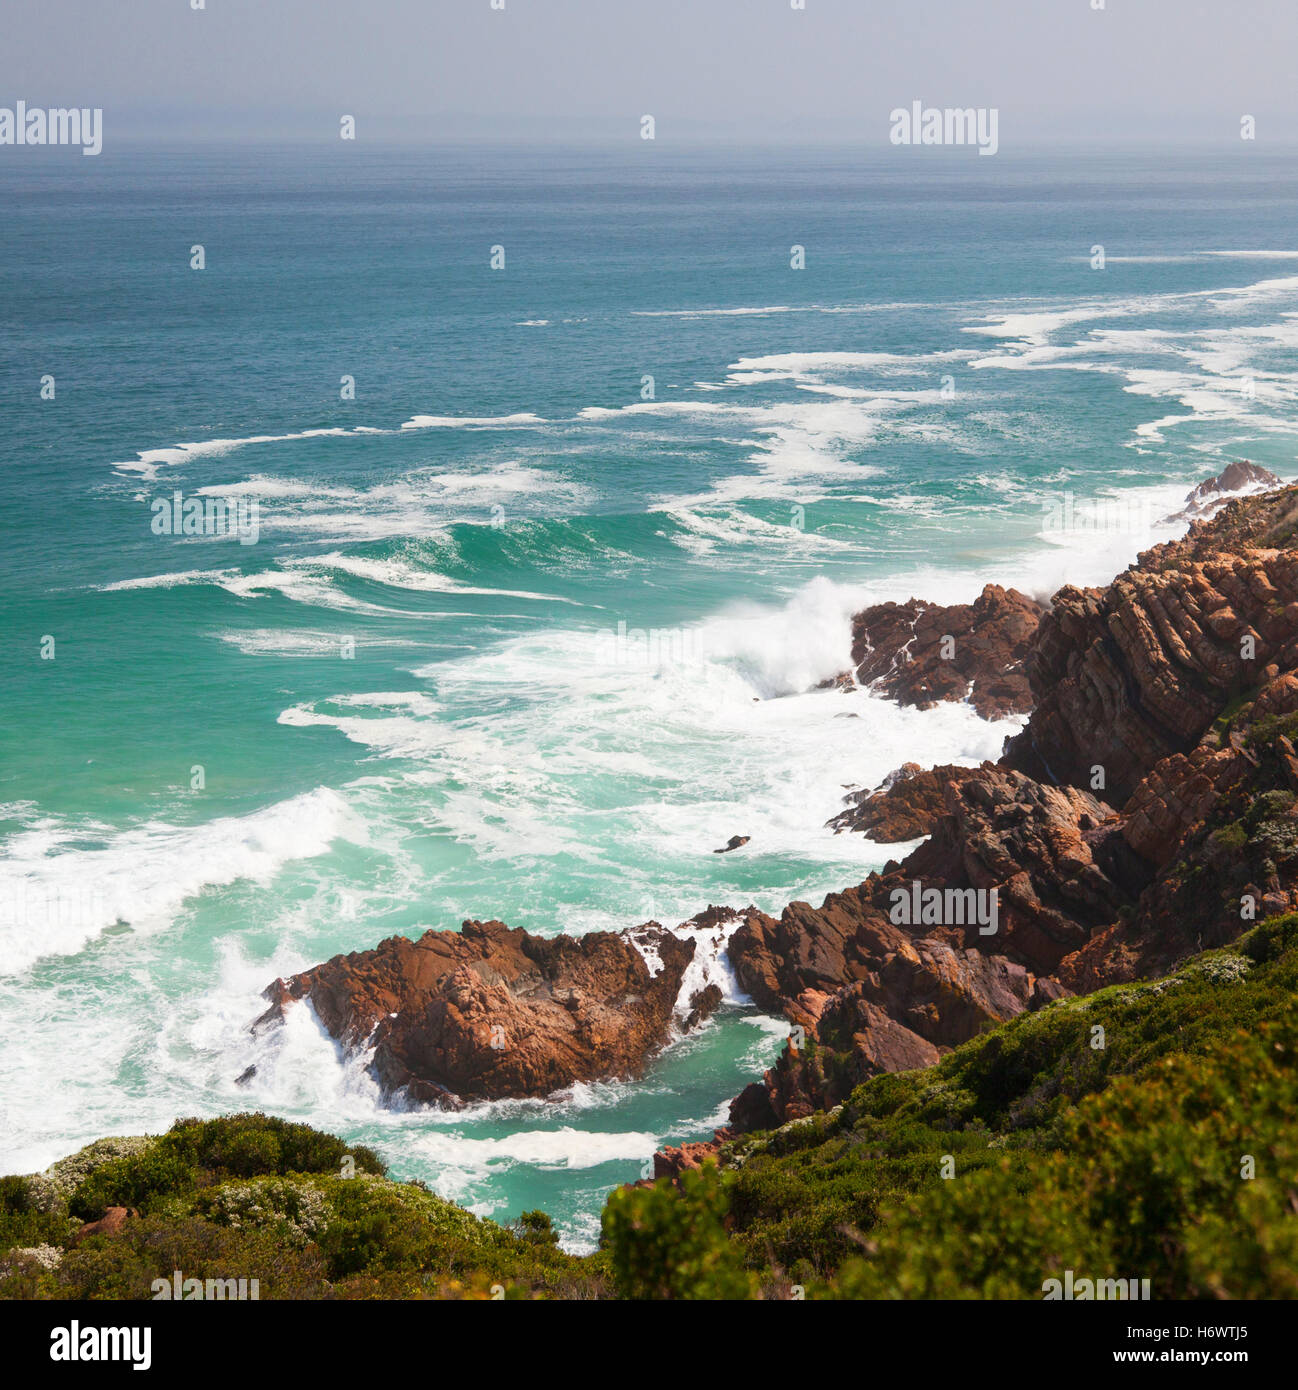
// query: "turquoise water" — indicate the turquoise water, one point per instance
point(409, 699)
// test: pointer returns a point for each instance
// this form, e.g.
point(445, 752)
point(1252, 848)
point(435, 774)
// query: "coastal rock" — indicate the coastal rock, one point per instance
point(1049, 853)
point(1236, 478)
point(880, 989)
point(920, 653)
point(906, 807)
point(1178, 794)
point(703, 1003)
point(1148, 811)
point(491, 1012)
point(1219, 826)
point(1126, 676)
point(672, 1162)
point(912, 1001)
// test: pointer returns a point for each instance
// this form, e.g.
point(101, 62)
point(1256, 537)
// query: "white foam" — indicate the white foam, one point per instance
point(1244, 372)
point(564, 1147)
point(703, 531)
point(148, 462)
point(413, 732)
point(709, 966)
point(451, 422)
point(402, 574)
point(300, 585)
point(422, 504)
point(742, 745)
point(794, 365)
point(761, 311)
point(307, 642)
point(57, 894)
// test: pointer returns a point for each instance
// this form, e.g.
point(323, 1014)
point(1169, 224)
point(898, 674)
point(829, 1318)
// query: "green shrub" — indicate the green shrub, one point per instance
point(25, 1220)
point(257, 1145)
point(126, 1266)
point(65, 1176)
point(1149, 1183)
point(294, 1210)
point(137, 1180)
point(671, 1242)
point(536, 1227)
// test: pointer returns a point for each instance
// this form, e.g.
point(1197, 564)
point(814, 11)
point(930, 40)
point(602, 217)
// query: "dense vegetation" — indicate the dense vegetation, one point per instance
point(1145, 1131)
point(251, 1196)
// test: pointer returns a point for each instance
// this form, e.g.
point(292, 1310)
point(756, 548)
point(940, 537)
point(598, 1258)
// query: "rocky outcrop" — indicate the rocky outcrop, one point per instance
point(491, 1012)
point(906, 807)
point(109, 1224)
point(1129, 675)
point(1167, 709)
point(1149, 809)
point(1218, 828)
point(920, 653)
point(1236, 478)
point(1051, 853)
point(914, 1006)
point(1019, 876)
point(672, 1162)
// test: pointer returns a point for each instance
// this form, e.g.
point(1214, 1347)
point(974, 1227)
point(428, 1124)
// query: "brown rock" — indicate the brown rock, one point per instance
point(1126, 676)
point(489, 1012)
point(1150, 795)
point(109, 1224)
point(1236, 478)
point(672, 1162)
point(918, 653)
point(906, 807)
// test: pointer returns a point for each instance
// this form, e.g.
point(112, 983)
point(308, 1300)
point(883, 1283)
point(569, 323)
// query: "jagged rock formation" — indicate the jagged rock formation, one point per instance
point(881, 994)
point(1234, 479)
point(1146, 811)
point(919, 653)
point(906, 807)
point(491, 1012)
point(1128, 675)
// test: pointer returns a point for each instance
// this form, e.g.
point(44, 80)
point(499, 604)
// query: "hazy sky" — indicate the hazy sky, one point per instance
point(753, 70)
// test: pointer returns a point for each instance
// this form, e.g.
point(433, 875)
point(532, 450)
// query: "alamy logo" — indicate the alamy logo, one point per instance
point(653, 647)
point(179, 515)
point(1068, 515)
point(77, 1343)
point(918, 124)
point(945, 907)
point(54, 125)
point(1084, 1290)
point(211, 1290)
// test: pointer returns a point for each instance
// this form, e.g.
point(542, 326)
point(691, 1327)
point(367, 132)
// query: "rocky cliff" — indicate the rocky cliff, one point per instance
point(1146, 811)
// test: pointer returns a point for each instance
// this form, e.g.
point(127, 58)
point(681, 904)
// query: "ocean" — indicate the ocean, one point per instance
point(549, 560)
